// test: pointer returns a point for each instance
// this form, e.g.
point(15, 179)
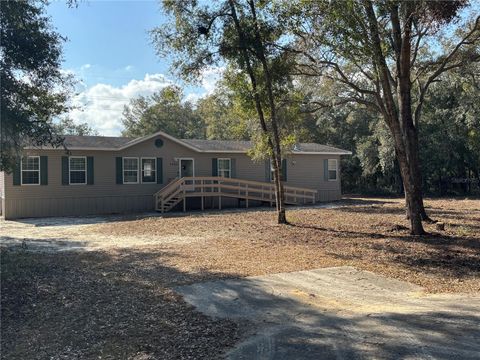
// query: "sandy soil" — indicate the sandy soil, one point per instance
point(369, 233)
point(102, 286)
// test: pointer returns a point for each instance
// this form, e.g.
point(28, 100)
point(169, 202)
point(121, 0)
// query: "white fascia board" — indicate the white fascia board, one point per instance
point(195, 149)
point(158, 133)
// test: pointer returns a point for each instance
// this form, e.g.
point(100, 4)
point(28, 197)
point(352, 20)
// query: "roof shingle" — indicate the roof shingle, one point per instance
point(115, 143)
point(233, 145)
point(100, 142)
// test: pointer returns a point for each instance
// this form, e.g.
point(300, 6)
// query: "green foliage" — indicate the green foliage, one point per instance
point(449, 138)
point(324, 75)
point(225, 116)
point(450, 133)
point(163, 111)
point(200, 35)
point(66, 126)
point(33, 88)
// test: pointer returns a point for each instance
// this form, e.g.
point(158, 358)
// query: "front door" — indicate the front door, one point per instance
point(186, 167)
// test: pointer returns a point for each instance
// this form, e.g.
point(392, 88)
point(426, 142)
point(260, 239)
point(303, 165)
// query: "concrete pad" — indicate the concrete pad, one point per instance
point(341, 313)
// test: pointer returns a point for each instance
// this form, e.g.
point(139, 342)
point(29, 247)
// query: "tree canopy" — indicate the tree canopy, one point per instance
point(67, 126)
point(33, 90)
point(384, 55)
point(245, 37)
point(165, 111)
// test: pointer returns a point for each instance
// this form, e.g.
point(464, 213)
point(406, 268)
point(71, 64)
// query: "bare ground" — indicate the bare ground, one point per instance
point(370, 234)
point(114, 300)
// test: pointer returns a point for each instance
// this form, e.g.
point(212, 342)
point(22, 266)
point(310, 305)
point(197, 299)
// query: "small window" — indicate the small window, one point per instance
point(332, 169)
point(30, 170)
point(78, 170)
point(224, 168)
point(149, 170)
point(130, 170)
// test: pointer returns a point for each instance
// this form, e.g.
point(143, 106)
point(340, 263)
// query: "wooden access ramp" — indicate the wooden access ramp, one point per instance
point(213, 186)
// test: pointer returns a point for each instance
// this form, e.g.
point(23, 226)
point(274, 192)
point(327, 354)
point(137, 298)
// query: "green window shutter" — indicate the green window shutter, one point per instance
point(43, 170)
point(325, 169)
point(214, 167)
point(119, 170)
point(90, 173)
point(268, 173)
point(159, 171)
point(233, 165)
point(65, 168)
point(284, 169)
point(17, 176)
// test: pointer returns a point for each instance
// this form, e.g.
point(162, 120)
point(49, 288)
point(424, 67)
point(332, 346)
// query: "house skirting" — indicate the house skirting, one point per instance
point(82, 206)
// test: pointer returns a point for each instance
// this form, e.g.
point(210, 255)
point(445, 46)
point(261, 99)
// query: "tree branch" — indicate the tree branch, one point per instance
point(443, 66)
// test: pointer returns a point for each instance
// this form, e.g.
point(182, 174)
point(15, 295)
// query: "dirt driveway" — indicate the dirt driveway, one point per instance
point(69, 233)
point(341, 313)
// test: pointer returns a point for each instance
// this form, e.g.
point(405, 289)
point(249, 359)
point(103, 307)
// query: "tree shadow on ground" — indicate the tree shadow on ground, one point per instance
point(373, 209)
point(287, 328)
point(377, 208)
point(354, 200)
point(106, 218)
point(434, 253)
point(120, 304)
point(92, 304)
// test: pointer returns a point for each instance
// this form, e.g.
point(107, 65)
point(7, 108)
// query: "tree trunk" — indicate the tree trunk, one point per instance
point(408, 134)
point(411, 197)
point(412, 138)
point(274, 145)
point(280, 194)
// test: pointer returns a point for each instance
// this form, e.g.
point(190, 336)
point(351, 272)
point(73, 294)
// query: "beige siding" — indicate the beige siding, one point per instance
point(2, 190)
point(2, 175)
point(307, 171)
point(105, 196)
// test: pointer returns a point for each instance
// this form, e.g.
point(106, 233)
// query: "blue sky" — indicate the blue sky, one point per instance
point(109, 51)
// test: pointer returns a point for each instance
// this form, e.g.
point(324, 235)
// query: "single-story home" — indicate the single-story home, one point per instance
point(104, 175)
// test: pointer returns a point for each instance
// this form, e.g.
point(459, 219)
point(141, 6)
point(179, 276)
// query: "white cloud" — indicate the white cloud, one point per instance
point(210, 77)
point(101, 105)
point(85, 66)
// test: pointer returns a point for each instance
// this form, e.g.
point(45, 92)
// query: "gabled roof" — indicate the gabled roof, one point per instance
point(111, 143)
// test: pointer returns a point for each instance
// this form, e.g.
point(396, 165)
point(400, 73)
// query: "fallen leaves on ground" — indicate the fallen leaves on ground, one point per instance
point(371, 234)
point(117, 302)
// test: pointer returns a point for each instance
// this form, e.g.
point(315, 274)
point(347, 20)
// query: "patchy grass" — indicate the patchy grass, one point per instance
point(116, 301)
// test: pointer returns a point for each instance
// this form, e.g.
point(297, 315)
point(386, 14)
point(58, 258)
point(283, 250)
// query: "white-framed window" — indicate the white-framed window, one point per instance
point(332, 169)
point(224, 167)
point(130, 170)
point(77, 170)
point(149, 170)
point(30, 174)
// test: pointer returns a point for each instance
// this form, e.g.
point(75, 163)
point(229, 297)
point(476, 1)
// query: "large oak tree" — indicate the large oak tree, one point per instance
point(376, 51)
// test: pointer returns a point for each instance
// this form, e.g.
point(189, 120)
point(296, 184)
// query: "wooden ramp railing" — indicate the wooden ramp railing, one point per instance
point(209, 186)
